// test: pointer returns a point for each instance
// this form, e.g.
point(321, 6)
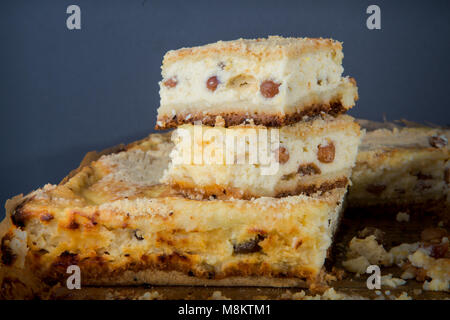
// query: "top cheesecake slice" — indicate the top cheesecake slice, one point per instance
point(272, 82)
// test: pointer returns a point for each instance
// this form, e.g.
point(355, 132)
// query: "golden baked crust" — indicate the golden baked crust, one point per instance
point(120, 227)
point(263, 48)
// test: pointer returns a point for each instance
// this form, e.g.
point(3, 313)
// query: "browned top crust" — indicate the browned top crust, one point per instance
point(273, 47)
point(403, 135)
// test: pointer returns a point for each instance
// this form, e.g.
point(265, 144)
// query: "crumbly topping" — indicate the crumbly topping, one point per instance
point(138, 207)
point(43, 193)
point(137, 167)
point(402, 138)
point(263, 47)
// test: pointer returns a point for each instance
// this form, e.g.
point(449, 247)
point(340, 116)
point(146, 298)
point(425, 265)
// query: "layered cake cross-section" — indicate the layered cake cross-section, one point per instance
point(120, 227)
point(274, 81)
point(254, 161)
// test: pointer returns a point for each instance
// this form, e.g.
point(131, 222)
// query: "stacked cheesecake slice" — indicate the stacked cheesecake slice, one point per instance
point(264, 119)
point(272, 82)
point(259, 118)
point(302, 158)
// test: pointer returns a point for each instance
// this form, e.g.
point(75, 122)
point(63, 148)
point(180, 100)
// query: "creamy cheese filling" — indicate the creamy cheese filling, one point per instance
point(240, 84)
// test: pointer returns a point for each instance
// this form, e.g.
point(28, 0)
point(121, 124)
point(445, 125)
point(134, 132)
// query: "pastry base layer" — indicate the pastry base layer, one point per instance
point(238, 117)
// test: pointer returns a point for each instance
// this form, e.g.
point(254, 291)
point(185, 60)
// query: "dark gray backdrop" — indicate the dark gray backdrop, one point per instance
point(63, 93)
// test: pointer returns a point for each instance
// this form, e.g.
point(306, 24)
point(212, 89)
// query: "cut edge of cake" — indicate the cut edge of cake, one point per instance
point(273, 82)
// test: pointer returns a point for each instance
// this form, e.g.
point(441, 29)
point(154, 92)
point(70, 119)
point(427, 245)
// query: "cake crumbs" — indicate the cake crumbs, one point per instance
point(217, 295)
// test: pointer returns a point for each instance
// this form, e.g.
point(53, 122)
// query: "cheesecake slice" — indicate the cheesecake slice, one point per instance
point(113, 221)
point(401, 167)
point(275, 81)
point(254, 161)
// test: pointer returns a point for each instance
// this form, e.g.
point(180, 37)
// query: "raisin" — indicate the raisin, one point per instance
point(212, 83)
point(282, 155)
point(46, 217)
point(269, 89)
point(375, 188)
point(308, 169)
point(73, 225)
point(438, 141)
point(298, 243)
point(249, 246)
point(171, 82)
point(439, 250)
point(19, 217)
point(326, 153)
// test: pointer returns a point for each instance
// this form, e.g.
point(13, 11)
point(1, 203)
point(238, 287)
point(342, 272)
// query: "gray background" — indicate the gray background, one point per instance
point(63, 93)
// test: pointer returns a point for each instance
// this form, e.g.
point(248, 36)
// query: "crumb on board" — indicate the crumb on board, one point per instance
point(392, 282)
point(217, 295)
point(153, 295)
point(329, 294)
